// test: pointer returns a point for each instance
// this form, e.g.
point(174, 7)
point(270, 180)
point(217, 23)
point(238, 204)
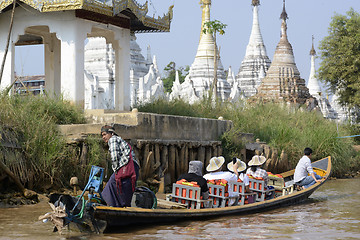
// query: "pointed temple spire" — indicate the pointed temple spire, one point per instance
point(313, 84)
point(256, 62)
point(283, 81)
point(312, 51)
point(284, 15)
point(315, 90)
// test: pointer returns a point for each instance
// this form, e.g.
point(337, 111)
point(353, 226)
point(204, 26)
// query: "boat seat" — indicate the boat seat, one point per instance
point(282, 188)
point(220, 195)
point(258, 186)
point(288, 188)
point(188, 195)
point(244, 198)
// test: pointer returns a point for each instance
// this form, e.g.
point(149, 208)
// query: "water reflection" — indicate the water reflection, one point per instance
point(332, 212)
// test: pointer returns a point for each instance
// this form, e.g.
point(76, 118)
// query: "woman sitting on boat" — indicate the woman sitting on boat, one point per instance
point(215, 173)
point(121, 185)
point(257, 172)
point(195, 175)
point(238, 167)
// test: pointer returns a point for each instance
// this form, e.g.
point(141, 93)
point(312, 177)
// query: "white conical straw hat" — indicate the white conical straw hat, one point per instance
point(215, 163)
point(257, 160)
point(241, 165)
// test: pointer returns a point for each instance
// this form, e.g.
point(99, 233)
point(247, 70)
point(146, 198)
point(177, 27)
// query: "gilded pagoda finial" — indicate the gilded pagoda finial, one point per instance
point(205, 2)
point(312, 51)
point(255, 3)
point(205, 16)
point(284, 15)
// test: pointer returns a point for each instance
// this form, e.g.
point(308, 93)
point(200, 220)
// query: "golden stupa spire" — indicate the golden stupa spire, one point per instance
point(205, 16)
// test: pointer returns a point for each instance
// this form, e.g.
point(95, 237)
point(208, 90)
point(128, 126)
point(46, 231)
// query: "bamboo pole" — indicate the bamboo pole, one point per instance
point(8, 40)
point(12, 176)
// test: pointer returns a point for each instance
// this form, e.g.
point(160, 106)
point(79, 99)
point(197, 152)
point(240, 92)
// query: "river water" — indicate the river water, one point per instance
point(332, 212)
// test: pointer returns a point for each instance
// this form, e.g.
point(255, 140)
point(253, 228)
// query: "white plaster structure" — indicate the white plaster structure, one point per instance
point(145, 79)
point(343, 114)
point(139, 67)
point(256, 62)
point(63, 26)
point(201, 74)
point(176, 88)
point(315, 90)
point(151, 86)
point(99, 74)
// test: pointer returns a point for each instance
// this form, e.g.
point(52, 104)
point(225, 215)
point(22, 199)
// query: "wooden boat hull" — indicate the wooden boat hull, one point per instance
point(115, 217)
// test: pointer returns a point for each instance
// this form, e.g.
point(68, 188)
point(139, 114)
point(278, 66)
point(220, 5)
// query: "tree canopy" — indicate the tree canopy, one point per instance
point(340, 55)
point(170, 71)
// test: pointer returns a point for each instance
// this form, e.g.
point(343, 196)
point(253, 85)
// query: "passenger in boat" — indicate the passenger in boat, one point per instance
point(214, 168)
point(195, 175)
point(256, 171)
point(304, 175)
point(121, 185)
point(237, 166)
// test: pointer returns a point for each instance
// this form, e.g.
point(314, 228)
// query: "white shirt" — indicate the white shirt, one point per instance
point(302, 169)
point(245, 178)
point(228, 176)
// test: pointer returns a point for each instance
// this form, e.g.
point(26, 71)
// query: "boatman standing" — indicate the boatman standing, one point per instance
point(121, 185)
point(304, 175)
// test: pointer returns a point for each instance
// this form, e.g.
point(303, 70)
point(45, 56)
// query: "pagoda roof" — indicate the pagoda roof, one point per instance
point(124, 13)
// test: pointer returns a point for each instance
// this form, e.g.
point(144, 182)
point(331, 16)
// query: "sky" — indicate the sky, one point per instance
point(306, 18)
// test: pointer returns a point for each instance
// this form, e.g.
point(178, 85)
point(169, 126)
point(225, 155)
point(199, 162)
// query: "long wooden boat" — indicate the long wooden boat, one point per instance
point(115, 217)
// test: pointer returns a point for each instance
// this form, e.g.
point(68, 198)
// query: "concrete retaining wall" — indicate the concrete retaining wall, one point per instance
point(163, 144)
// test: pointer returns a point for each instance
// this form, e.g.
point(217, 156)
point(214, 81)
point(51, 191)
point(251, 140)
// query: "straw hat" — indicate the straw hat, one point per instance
point(241, 166)
point(215, 163)
point(257, 160)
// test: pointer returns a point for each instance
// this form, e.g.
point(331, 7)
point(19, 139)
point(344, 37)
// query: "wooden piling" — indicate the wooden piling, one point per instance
point(201, 154)
point(172, 160)
point(182, 159)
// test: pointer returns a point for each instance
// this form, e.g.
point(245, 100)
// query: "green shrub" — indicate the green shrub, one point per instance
point(35, 119)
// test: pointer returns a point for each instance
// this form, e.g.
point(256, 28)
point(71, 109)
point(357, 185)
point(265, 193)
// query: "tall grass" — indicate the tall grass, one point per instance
point(35, 119)
point(280, 126)
point(293, 129)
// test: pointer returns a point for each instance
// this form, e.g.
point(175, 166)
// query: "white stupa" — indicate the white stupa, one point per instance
point(256, 62)
point(315, 90)
point(201, 73)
